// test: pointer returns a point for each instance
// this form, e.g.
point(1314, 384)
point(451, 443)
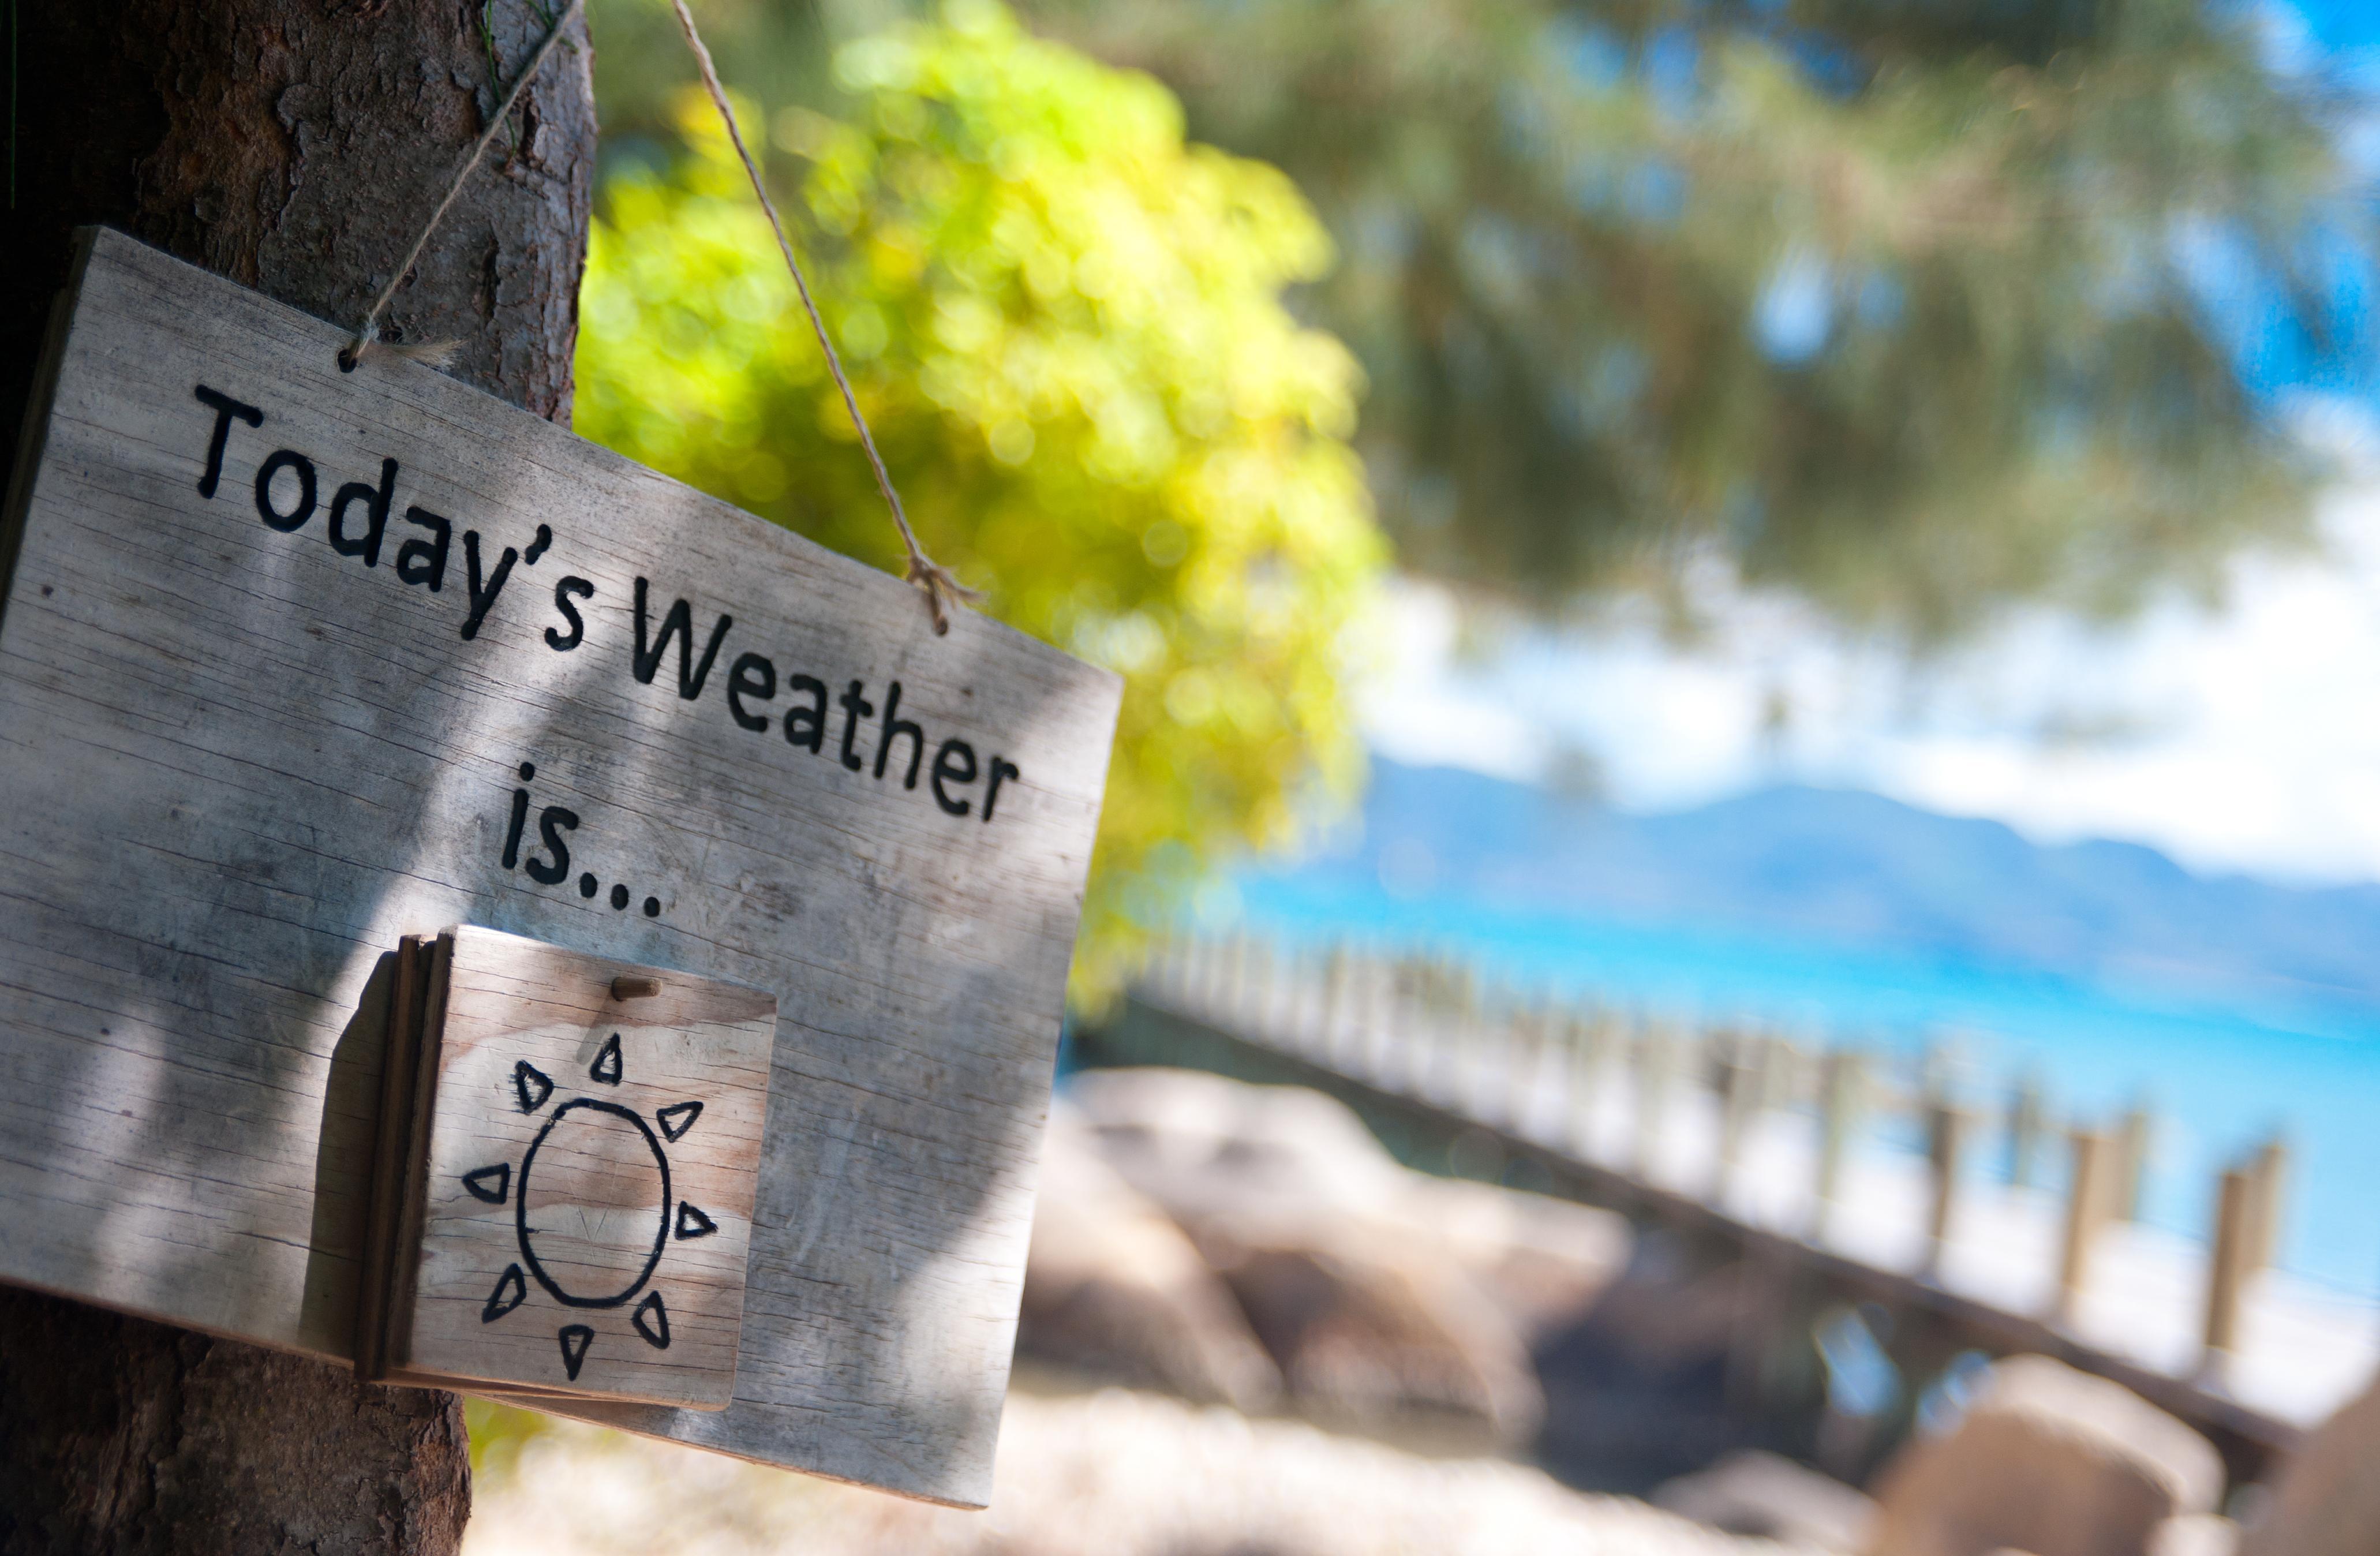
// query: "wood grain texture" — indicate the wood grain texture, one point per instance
point(589, 1168)
point(237, 764)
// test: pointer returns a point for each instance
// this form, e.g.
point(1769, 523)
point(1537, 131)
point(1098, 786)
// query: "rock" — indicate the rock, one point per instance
point(2045, 1460)
point(1201, 1145)
point(2197, 1534)
point(1765, 1494)
point(2328, 1500)
point(1363, 1334)
point(1545, 1261)
point(1112, 1286)
point(1668, 1320)
point(1375, 1289)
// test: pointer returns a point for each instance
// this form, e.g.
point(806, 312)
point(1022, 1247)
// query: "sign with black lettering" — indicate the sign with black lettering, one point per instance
point(297, 662)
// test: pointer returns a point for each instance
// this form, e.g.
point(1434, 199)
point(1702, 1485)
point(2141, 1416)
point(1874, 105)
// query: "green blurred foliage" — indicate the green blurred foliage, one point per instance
point(1896, 303)
point(1891, 303)
point(1065, 327)
point(497, 1433)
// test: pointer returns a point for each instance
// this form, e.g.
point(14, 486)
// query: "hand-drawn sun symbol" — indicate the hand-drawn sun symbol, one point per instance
point(594, 1238)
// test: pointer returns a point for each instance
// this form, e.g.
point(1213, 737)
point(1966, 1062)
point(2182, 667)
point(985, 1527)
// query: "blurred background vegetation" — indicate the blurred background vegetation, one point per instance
point(1066, 329)
point(1904, 309)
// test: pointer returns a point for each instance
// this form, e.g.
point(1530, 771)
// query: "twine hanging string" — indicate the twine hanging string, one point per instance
point(435, 353)
point(941, 591)
point(935, 582)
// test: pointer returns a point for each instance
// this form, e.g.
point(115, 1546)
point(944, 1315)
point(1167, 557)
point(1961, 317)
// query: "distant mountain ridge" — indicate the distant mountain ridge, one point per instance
point(1859, 869)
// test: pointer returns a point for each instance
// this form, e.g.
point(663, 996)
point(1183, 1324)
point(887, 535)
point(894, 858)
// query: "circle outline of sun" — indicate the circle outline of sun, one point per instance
point(496, 1184)
point(662, 1222)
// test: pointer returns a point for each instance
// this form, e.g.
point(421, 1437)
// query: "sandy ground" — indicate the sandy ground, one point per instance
point(1105, 1474)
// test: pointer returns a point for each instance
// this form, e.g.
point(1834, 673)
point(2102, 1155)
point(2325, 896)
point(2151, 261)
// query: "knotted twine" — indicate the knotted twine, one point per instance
point(941, 591)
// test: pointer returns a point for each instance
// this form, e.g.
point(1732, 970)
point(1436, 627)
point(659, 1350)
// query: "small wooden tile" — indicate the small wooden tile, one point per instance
point(581, 1217)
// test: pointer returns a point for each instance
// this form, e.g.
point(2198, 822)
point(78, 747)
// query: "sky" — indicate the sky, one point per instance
point(2341, 24)
point(2242, 739)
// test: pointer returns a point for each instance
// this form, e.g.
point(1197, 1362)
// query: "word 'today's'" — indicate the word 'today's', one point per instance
point(357, 524)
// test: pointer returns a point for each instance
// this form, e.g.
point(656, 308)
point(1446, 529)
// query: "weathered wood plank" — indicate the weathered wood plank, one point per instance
point(237, 764)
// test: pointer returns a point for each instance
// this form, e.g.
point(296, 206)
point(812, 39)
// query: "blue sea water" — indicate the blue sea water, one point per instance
point(2219, 1074)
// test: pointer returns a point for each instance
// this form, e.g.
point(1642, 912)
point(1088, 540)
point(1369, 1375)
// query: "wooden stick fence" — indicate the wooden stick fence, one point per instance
point(1601, 1082)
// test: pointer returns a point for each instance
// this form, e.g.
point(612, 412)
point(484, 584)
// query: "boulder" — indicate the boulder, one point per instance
point(2045, 1460)
point(1668, 1319)
point(1364, 1334)
point(1375, 1289)
point(2328, 1500)
point(1114, 1286)
point(2197, 1534)
point(1202, 1144)
point(1545, 1261)
point(1764, 1494)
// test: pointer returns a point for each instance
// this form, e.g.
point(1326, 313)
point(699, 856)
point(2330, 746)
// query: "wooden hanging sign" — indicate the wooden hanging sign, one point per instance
point(296, 664)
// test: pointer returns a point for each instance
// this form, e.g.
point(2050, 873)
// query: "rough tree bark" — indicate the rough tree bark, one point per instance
point(294, 146)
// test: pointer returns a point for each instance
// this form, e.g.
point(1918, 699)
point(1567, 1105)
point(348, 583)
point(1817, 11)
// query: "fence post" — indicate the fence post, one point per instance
point(1526, 1030)
point(1487, 1048)
point(1842, 1096)
point(1425, 1002)
point(1230, 965)
point(1285, 981)
point(1739, 1106)
point(1264, 984)
point(1157, 965)
point(1780, 1064)
point(2228, 1264)
point(1440, 1002)
point(1354, 1054)
point(2027, 1121)
point(2087, 1194)
point(1309, 1002)
point(1590, 1034)
point(2133, 1140)
point(1332, 1017)
point(1317, 999)
point(1656, 1058)
point(1408, 996)
point(1939, 1069)
point(2270, 1167)
point(1431, 1083)
point(1946, 1138)
point(1459, 1040)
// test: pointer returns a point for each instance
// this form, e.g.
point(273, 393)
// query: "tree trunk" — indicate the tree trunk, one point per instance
point(296, 146)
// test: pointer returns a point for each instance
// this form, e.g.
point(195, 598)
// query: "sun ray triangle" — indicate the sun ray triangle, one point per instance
point(606, 1067)
point(530, 1085)
point(677, 1118)
point(574, 1338)
point(491, 1183)
point(692, 1223)
point(652, 1321)
point(511, 1287)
